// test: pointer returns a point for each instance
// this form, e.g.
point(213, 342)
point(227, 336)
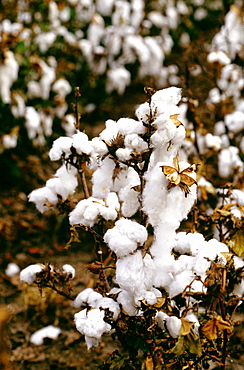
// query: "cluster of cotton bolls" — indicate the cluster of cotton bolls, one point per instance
point(169, 191)
point(226, 45)
point(109, 35)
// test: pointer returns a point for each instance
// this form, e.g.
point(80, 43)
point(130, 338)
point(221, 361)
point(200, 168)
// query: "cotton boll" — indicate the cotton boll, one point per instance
point(117, 79)
point(123, 154)
point(9, 141)
point(135, 142)
point(99, 146)
point(126, 299)
point(128, 126)
point(64, 182)
point(32, 122)
point(213, 142)
point(49, 331)
point(41, 197)
point(110, 132)
point(130, 201)
point(169, 96)
point(102, 178)
point(188, 243)
point(161, 319)
point(82, 298)
point(180, 282)
point(91, 324)
point(173, 325)
point(77, 215)
point(126, 177)
point(29, 273)
point(68, 269)
point(12, 269)
point(125, 236)
point(131, 273)
point(228, 161)
point(8, 74)
point(142, 112)
point(81, 144)
point(235, 121)
point(219, 128)
point(238, 262)
point(109, 303)
point(60, 146)
point(94, 298)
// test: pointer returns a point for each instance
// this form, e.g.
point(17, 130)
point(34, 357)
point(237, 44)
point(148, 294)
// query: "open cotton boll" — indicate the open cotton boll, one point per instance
point(135, 273)
point(42, 196)
point(99, 146)
point(81, 143)
point(173, 325)
point(126, 299)
point(143, 111)
point(12, 269)
point(49, 331)
point(180, 282)
point(68, 269)
point(228, 161)
point(110, 132)
point(82, 298)
point(238, 262)
point(160, 318)
point(64, 181)
point(102, 178)
point(91, 324)
point(60, 146)
point(188, 243)
point(135, 142)
point(165, 97)
point(128, 126)
point(127, 176)
point(125, 236)
point(130, 201)
point(123, 154)
point(29, 273)
point(235, 121)
point(109, 303)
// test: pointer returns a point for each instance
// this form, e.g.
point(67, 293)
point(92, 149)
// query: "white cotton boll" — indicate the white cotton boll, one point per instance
point(123, 154)
point(119, 244)
point(112, 201)
point(135, 274)
point(128, 126)
point(127, 176)
point(99, 146)
point(29, 273)
point(160, 318)
point(42, 196)
point(105, 7)
point(239, 289)
point(179, 283)
point(61, 87)
point(110, 132)
point(109, 303)
point(60, 146)
point(102, 178)
point(9, 141)
point(81, 143)
point(169, 96)
point(235, 121)
point(238, 262)
point(32, 122)
point(68, 269)
point(188, 243)
point(12, 269)
point(64, 182)
point(49, 331)
point(130, 201)
point(8, 74)
point(82, 298)
point(157, 19)
point(118, 78)
point(173, 325)
point(219, 128)
point(156, 183)
point(127, 301)
point(142, 112)
point(150, 297)
point(213, 249)
point(228, 161)
point(94, 298)
point(218, 56)
point(91, 324)
point(68, 124)
point(237, 196)
point(135, 142)
point(45, 40)
point(213, 142)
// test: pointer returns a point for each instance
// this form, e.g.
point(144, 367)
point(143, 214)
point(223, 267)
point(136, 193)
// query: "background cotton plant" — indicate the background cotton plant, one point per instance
point(157, 275)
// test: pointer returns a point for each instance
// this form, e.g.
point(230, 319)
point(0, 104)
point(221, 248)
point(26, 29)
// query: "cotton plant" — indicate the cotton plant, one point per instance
point(140, 192)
